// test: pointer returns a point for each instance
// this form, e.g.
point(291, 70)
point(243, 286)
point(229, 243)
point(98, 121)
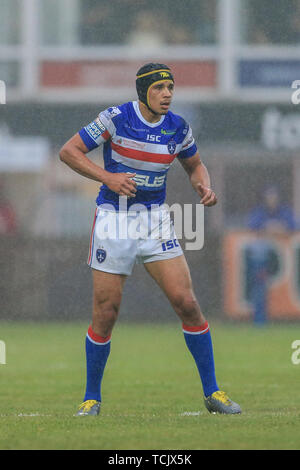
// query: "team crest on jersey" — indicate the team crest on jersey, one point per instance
point(172, 146)
point(100, 255)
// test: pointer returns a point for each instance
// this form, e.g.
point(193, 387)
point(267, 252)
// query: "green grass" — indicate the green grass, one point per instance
point(151, 392)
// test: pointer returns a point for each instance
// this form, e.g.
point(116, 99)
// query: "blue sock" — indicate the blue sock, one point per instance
point(97, 352)
point(198, 340)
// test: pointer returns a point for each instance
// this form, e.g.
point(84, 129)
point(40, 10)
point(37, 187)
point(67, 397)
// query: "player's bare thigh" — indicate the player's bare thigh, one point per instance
point(174, 278)
point(107, 295)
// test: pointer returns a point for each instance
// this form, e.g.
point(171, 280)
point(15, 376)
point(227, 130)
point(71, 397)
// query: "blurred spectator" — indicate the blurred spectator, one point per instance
point(294, 29)
point(193, 25)
point(272, 216)
point(178, 33)
point(94, 22)
point(10, 31)
point(147, 24)
point(205, 29)
point(98, 24)
point(258, 35)
point(268, 21)
point(8, 225)
point(147, 30)
point(268, 219)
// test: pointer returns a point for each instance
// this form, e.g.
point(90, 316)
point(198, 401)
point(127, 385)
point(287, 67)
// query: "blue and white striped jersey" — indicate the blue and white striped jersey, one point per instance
point(131, 144)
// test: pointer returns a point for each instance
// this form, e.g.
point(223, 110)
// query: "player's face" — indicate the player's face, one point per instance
point(160, 96)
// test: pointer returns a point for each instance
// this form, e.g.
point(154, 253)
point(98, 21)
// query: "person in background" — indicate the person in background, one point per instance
point(270, 218)
point(8, 224)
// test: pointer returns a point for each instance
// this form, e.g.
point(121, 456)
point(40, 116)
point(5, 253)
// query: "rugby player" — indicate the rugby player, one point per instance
point(141, 139)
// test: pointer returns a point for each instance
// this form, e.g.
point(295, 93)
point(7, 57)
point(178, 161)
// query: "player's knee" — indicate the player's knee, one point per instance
point(106, 309)
point(186, 305)
point(104, 317)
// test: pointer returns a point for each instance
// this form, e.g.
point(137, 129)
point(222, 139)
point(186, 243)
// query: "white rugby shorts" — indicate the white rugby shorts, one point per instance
point(121, 239)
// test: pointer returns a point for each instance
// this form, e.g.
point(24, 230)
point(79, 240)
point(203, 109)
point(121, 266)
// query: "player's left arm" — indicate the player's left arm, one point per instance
point(199, 178)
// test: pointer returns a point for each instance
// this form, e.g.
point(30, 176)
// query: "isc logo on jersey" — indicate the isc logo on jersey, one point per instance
point(153, 138)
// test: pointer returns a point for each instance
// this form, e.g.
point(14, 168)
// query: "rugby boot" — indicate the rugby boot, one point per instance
point(89, 408)
point(219, 402)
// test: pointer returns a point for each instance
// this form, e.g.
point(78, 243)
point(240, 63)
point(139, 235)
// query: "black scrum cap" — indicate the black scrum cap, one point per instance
point(147, 76)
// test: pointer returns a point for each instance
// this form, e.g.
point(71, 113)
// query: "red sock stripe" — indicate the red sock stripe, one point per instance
point(196, 329)
point(97, 338)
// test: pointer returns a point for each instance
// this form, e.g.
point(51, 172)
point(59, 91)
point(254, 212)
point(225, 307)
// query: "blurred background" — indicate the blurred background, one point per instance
point(63, 61)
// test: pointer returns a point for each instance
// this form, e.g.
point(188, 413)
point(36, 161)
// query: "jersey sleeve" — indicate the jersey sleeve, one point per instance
point(98, 131)
point(189, 147)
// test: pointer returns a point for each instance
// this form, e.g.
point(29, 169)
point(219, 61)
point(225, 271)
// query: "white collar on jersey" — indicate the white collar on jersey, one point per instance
point(140, 116)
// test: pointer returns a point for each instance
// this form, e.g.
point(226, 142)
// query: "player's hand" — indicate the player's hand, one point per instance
point(208, 196)
point(121, 183)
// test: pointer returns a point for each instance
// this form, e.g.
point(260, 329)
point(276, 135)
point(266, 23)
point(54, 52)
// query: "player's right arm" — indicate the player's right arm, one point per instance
point(73, 153)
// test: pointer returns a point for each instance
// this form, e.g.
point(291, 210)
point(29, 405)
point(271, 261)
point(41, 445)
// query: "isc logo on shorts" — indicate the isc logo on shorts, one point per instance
point(170, 244)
